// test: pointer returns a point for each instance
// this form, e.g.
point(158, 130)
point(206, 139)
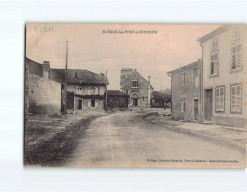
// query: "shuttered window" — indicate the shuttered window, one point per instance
point(236, 98)
point(220, 99)
point(214, 64)
point(183, 79)
point(236, 57)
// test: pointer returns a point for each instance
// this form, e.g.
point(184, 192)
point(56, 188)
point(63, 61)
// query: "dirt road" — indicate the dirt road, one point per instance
point(124, 139)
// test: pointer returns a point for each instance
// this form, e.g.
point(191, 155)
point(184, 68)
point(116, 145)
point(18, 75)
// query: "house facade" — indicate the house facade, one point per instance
point(224, 57)
point(138, 88)
point(85, 89)
point(185, 89)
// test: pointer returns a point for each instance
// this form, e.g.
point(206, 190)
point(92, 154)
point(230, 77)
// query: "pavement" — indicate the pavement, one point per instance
point(132, 139)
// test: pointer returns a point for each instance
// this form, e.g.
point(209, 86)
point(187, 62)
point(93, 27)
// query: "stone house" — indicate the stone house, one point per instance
point(185, 89)
point(224, 57)
point(85, 89)
point(138, 88)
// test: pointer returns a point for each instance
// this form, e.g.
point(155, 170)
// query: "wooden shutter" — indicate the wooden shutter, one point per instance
point(96, 103)
point(89, 103)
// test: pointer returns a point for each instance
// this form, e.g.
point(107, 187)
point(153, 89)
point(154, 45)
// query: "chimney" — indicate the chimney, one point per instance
point(46, 69)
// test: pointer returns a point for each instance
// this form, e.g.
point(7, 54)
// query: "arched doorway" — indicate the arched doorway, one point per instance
point(134, 99)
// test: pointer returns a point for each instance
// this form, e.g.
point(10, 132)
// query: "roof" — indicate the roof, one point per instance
point(191, 65)
point(80, 76)
point(215, 32)
point(127, 69)
point(134, 72)
point(116, 93)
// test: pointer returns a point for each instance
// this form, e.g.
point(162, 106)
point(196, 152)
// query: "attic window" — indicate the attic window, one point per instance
point(76, 77)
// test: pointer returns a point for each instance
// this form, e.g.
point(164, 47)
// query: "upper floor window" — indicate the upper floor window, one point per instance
point(236, 34)
point(135, 84)
point(220, 99)
point(183, 78)
point(183, 105)
point(214, 64)
point(236, 57)
point(214, 44)
point(196, 77)
point(236, 98)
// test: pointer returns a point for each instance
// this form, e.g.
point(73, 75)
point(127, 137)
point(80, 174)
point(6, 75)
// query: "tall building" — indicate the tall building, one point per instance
point(224, 93)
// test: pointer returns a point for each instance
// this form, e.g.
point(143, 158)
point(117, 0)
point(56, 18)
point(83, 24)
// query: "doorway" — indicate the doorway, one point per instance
point(196, 109)
point(135, 102)
point(79, 105)
point(208, 105)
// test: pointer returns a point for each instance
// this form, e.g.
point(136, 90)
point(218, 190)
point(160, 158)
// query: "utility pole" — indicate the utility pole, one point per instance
point(106, 92)
point(65, 78)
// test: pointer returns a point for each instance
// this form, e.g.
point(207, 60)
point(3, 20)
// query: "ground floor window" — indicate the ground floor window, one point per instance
point(183, 105)
point(236, 98)
point(220, 99)
point(92, 103)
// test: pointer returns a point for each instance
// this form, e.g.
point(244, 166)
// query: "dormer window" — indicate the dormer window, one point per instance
point(214, 44)
point(236, 34)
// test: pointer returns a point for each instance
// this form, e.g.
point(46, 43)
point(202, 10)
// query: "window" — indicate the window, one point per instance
point(183, 79)
point(236, 98)
point(236, 57)
point(183, 105)
point(214, 64)
point(196, 77)
point(143, 98)
point(92, 103)
point(214, 44)
point(220, 99)
point(236, 34)
point(135, 84)
point(76, 76)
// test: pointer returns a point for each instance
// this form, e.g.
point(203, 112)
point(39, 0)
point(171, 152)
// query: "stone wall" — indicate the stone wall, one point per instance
point(44, 96)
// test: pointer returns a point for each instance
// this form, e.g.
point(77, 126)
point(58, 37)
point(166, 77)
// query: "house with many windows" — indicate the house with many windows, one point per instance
point(185, 89)
point(136, 86)
point(224, 73)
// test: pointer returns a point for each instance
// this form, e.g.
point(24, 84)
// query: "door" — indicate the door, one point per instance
point(208, 105)
point(79, 104)
point(135, 102)
point(195, 109)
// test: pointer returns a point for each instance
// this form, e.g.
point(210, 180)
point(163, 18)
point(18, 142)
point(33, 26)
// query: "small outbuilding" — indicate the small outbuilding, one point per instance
point(116, 100)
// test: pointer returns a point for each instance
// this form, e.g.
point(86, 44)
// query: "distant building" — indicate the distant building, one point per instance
point(138, 88)
point(85, 89)
point(185, 89)
point(117, 100)
point(224, 56)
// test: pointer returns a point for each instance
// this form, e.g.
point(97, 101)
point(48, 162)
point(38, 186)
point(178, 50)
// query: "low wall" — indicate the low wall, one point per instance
point(44, 96)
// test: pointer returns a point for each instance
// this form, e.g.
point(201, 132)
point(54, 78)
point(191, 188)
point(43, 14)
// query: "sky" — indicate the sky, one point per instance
point(89, 48)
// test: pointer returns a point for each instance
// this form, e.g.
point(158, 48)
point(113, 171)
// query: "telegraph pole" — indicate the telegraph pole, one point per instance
point(106, 92)
point(65, 78)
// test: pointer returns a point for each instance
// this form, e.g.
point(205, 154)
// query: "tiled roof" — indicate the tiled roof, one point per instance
point(116, 93)
point(80, 76)
point(193, 64)
point(215, 32)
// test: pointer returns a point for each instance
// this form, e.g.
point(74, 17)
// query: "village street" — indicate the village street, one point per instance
point(125, 139)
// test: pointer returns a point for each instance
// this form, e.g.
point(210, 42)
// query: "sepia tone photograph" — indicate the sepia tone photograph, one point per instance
point(135, 95)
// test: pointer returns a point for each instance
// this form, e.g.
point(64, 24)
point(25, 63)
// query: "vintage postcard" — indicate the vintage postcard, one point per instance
point(135, 95)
